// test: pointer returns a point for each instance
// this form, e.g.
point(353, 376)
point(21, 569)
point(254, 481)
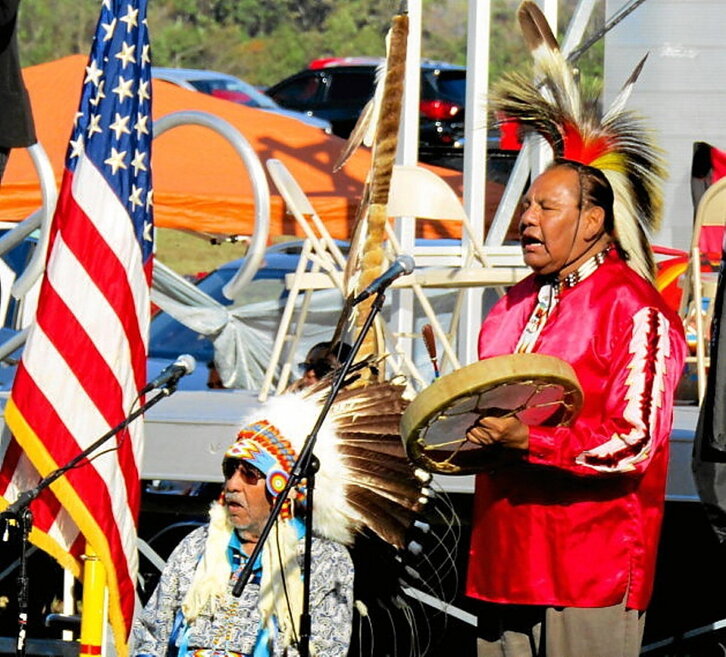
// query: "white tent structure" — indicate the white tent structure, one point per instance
point(681, 90)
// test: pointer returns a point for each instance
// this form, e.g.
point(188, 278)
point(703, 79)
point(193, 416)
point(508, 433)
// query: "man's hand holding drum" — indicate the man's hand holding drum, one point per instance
point(508, 432)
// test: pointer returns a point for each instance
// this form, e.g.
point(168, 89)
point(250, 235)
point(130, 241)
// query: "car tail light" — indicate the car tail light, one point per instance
point(439, 109)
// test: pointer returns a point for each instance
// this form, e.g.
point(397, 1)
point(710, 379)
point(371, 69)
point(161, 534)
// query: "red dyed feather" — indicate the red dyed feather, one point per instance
point(583, 149)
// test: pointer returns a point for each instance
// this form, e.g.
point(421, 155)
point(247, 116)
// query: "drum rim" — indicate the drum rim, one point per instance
point(443, 392)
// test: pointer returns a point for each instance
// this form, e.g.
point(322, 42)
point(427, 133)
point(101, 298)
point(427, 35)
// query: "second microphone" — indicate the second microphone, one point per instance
point(402, 266)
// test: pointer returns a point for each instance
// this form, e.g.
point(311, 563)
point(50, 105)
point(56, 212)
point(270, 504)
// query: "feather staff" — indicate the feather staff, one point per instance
point(366, 256)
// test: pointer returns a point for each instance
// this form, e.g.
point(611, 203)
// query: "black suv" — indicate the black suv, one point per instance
point(338, 93)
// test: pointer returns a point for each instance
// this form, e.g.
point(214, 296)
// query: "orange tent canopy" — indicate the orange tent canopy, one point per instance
point(200, 183)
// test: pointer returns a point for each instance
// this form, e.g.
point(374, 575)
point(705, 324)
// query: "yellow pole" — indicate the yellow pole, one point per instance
point(92, 612)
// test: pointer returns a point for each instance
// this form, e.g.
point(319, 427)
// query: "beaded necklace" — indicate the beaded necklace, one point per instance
point(586, 269)
point(548, 296)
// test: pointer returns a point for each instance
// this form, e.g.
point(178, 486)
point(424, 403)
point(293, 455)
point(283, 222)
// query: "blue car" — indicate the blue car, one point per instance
point(256, 315)
point(257, 308)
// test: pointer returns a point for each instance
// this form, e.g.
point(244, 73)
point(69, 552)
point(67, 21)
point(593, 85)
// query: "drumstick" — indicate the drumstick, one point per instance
point(430, 342)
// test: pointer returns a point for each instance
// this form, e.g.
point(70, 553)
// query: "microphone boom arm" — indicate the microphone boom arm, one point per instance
point(26, 497)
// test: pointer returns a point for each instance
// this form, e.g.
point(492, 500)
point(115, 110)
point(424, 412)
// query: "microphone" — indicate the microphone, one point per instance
point(401, 266)
point(171, 374)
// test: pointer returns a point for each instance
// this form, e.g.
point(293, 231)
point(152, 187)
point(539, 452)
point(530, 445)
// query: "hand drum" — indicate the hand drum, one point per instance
point(540, 390)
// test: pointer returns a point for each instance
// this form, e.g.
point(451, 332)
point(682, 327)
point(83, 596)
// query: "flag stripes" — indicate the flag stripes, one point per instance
point(85, 358)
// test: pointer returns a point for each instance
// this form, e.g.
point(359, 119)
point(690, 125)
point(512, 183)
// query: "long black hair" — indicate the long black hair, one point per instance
point(595, 190)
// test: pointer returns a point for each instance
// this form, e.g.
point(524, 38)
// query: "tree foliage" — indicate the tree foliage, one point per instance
point(263, 41)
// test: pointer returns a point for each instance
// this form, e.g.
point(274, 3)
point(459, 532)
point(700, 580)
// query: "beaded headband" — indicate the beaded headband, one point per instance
point(262, 445)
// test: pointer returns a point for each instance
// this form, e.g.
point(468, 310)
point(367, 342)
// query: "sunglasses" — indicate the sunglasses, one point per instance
point(249, 473)
point(320, 369)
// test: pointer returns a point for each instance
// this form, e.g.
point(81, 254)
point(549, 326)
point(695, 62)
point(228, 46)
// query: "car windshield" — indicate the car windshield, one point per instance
point(244, 93)
point(351, 87)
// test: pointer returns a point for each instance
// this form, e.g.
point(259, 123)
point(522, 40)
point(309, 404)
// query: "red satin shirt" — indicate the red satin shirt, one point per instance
point(576, 521)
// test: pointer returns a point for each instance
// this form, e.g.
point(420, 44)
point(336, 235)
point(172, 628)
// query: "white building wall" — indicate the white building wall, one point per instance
point(681, 91)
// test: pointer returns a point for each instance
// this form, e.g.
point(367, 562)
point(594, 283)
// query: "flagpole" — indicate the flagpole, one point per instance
point(92, 612)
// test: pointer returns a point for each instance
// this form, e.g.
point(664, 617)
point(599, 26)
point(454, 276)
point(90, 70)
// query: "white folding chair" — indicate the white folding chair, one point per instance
point(697, 301)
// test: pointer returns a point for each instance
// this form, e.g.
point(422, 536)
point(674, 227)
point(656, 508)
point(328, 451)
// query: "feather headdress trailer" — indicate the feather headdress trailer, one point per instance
point(369, 496)
point(365, 480)
point(554, 105)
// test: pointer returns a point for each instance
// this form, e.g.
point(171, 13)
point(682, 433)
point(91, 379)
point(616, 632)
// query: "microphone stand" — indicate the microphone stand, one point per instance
point(305, 467)
point(18, 513)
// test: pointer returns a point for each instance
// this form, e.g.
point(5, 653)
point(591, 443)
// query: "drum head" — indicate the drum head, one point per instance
point(540, 390)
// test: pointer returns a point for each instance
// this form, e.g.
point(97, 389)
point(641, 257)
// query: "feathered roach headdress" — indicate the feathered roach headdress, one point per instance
point(365, 484)
point(554, 105)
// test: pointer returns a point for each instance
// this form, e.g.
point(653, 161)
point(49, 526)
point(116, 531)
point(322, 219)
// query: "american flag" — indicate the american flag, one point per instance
point(85, 358)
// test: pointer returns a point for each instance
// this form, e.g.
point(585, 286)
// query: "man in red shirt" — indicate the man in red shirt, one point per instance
point(565, 532)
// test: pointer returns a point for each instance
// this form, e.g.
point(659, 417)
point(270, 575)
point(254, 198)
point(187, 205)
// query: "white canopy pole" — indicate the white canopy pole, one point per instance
point(402, 307)
point(475, 160)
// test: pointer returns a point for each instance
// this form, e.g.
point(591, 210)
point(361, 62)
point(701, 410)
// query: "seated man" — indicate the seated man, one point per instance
point(193, 610)
point(320, 361)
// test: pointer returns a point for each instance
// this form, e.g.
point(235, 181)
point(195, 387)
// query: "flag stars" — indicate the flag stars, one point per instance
point(116, 160)
point(145, 58)
point(93, 73)
point(135, 198)
point(109, 28)
point(126, 55)
point(76, 117)
point(138, 162)
point(148, 226)
point(143, 92)
point(140, 127)
point(77, 146)
point(123, 90)
point(149, 203)
point(120, 125)
point(99, 94)
point(131, 17)
point(93, 125)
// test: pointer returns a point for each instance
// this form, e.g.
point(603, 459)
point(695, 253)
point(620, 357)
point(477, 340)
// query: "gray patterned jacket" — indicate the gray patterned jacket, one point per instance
point(236, 621)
